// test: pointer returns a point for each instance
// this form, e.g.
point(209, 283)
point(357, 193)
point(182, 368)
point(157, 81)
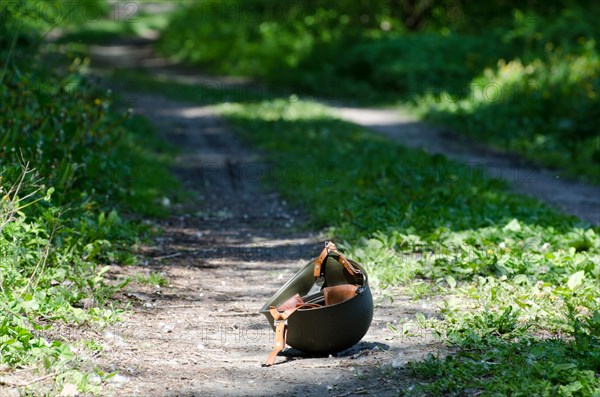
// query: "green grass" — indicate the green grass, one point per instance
point(154, 279)
point(496, 356)
point(517, 281)
point(525, 367)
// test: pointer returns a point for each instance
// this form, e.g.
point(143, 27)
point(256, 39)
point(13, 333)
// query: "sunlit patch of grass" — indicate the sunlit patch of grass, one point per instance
point(154, 278)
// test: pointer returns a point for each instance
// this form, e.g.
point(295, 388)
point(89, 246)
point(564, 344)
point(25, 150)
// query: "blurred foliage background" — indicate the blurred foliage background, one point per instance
point(522, 76)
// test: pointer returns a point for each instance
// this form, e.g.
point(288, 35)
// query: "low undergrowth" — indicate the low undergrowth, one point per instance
point(545, 109)
point(73, 185)
point(503, 361)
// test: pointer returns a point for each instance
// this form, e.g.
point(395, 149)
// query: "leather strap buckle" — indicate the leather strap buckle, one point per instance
point(331, 248)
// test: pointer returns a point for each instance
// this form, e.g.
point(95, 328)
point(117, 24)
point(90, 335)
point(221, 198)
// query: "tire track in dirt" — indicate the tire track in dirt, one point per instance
point(230, 248)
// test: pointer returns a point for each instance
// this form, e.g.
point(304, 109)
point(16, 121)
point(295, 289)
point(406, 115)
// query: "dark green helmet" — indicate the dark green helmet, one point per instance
point(312, 323)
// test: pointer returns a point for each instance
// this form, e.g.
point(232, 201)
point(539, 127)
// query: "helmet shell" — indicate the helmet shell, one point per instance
point(326, 329)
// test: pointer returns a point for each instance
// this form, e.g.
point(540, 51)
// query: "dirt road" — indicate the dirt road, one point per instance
point(572, 197)
point(233, 246)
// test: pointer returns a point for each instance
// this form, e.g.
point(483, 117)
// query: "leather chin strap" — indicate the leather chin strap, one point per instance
point(281, 317)
point(331, 248)
point(281, 328)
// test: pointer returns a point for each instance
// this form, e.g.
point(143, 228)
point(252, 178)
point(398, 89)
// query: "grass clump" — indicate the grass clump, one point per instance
point(154, 278)
point(492, 365)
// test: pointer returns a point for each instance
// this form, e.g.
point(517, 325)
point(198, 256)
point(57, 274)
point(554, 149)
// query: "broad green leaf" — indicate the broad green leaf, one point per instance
point(451, 281)
point(521, 279)
point(512, 226)
point(575, 280)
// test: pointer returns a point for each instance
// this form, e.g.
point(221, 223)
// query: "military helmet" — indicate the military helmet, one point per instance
point(326, 307)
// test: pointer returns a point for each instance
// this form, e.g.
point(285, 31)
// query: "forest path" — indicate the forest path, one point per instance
point(572, 197)
point(232, 246)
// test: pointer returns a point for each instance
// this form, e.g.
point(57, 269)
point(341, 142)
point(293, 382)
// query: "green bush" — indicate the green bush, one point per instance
point(251, 38)
point(414, 64)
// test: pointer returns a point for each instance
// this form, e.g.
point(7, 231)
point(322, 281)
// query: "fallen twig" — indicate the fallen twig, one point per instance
point(31, 382)
point(362, 390)
point(160, 258)
point(176, 306)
